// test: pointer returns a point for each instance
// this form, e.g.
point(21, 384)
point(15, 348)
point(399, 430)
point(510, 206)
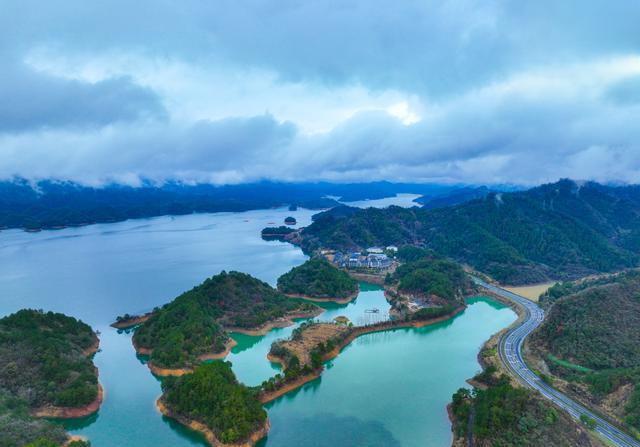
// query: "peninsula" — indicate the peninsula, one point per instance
point(427, 285)
point(212, 402)
point(46, 371)
point(194, 326)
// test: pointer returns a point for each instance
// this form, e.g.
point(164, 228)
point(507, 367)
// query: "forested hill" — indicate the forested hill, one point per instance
point(555, 231)
point(317, 278)
point(193, 324)
point(43, 364)
point(591, 339)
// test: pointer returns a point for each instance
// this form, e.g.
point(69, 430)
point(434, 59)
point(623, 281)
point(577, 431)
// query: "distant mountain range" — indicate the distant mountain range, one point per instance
point(561, 230)
point(51, 204)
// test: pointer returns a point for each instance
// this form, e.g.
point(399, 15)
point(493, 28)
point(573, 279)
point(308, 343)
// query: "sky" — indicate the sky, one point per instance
point(219, 91)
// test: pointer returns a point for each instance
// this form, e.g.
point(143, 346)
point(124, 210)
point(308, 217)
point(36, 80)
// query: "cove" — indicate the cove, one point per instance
point(390, 388)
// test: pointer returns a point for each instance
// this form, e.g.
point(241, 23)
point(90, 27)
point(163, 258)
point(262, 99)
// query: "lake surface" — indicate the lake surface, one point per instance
point(404, 200)
point(385, 389)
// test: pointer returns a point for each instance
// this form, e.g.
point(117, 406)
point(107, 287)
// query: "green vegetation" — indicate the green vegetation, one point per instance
point(566, 364)
point(42, 359)
point(193, 324)
point(42, 362)
point(17, 428)
point(213, 397)
point(319, 279)
point(590, 423)
point(556, 231)
point(432, 276)
point(598, 328)
point(504, 416)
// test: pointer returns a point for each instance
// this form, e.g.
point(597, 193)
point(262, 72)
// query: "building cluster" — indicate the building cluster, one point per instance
point(372, 258)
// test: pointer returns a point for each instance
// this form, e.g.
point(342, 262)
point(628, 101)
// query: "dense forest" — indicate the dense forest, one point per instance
point(319, 279)
point(42, 362)
point(502, 415)
point(430, 276)
point(557, 231)
point(213, 397)
point(591, 338)
point(193, 324)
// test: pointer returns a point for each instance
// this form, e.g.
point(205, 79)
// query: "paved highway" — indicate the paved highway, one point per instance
point(510, 351)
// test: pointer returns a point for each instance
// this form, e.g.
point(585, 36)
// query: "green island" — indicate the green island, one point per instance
point(45, 371)
point(193, 327)
point(427, 286)
point(589, 344)
point(320, 280)
point(559, 231)
point(211, 401)
point(495, 413)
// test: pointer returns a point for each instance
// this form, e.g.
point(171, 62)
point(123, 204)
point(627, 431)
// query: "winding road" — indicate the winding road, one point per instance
point(510, 351)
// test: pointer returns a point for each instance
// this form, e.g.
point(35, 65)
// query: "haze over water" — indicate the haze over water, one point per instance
point(387, 389)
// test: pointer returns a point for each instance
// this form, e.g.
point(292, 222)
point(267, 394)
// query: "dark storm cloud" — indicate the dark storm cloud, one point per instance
point(501, 90)
point(35, 101)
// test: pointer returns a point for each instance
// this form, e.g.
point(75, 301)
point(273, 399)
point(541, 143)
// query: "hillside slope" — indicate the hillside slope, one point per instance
point(193, 324)
point(556, 231)
point(590, 342)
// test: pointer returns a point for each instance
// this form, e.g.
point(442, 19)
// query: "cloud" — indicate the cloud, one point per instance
point(33, 101)
point(436, 90)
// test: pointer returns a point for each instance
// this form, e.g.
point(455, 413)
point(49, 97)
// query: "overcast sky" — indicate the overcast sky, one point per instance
point(347, 90)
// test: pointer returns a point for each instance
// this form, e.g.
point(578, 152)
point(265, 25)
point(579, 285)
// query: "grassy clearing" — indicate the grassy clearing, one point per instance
point(569, 365)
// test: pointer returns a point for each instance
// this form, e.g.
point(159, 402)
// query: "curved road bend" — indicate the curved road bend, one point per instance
point(510, 351)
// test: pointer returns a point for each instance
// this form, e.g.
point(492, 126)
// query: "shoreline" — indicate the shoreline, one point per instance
point(286, 321)
point(71, 412)
point(164, 372)
point(51, 411)
point(345, 300)
point(358, 331)
point(132, 322)
point(367, 277)
point(92, 349)
point(208, 433)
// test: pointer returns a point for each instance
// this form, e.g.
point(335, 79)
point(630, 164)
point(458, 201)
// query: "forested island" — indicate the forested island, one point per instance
point(211, 401)
point(426, 285)
point(558, 231)
point(194, 326)
point(495, 413)
point(589, 344)
point(318, 279)
point(45, 371)
point(277, 233)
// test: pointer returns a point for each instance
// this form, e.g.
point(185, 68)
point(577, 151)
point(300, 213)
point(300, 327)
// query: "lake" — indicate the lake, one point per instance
point(384, 389)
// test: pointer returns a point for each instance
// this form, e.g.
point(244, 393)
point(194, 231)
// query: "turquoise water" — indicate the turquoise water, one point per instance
point(384, 389)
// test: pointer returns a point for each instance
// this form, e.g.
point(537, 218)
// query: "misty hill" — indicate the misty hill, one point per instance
point(554, 231)
point(50, 204)
point(454, 197)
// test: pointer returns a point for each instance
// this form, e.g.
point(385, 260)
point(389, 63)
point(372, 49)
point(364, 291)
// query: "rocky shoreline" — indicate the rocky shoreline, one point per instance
point(345, 300)
point(164, 372)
